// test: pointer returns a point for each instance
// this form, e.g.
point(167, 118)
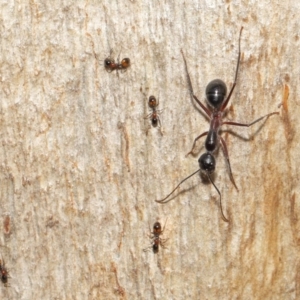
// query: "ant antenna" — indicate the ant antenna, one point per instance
point(236, 73)
point(239, 56)
point(222, 214)
point(162, 201)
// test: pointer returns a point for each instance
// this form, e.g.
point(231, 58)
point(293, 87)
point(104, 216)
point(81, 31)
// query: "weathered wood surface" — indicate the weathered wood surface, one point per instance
point(80, 167)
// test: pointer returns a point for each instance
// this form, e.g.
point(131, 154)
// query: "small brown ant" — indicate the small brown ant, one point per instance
point(3, 272)
point(110, 64)
point(154, 115)
point(155, 237)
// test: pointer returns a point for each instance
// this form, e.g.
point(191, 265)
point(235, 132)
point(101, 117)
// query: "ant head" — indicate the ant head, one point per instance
point(215, 93)
point(125, 63)
point(156, 227)
point(108, 62)
point(207, 162)
point(152, 102)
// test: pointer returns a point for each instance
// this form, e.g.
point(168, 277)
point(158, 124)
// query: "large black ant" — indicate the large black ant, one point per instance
point(155, 237)
point(154, 115)
point(3, 272)
point(110, 64)
point(215, 92)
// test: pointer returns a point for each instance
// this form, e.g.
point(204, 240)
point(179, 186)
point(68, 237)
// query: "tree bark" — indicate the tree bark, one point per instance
point(81, 166)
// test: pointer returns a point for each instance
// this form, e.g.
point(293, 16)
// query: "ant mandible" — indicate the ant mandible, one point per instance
point(157, 231)
point(154, 115)
point(215, 92)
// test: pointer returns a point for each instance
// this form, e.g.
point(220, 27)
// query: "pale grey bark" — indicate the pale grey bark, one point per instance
point(81, 167)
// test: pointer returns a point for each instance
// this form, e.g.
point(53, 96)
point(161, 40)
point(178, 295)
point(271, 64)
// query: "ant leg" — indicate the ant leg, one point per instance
point(147, 249)
point(163, 240)
point(162, 243)
point(163, 246)
point(250, 124)
point(196, 139)
point(118, 65)
point(206, 110)
point(150, 235)
point(236, 73)
point(225, 151)
point(164, 226)
point(202, 106)
point(148, 116)
point(159, 121)
point(158, 112)
point(118, 60)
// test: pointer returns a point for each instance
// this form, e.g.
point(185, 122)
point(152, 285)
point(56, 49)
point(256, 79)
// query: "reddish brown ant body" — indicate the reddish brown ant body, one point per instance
point(215, 92)
point(3, 272)
point(125, 63)
point(155, 237)
point(110, 64)
point(154, 115)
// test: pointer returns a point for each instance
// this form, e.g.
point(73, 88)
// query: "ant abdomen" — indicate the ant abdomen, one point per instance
point(125, 63)
point(154, 122)
point(155, 246)
point(215, 92)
